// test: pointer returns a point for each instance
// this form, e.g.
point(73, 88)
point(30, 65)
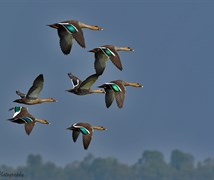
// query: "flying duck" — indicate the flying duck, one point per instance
point(83, 87)
point(22, 116)
point(105, 52)
point(86, 130)
point(116, 89)
point(32, 96)
point(69, 30)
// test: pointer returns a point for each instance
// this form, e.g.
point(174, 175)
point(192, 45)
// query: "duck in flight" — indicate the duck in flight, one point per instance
point(86, 130)
point(32, 96)
point(116, 90)
point(83, 87)
point(69, 30)
point(22, 116)
point(105, 52)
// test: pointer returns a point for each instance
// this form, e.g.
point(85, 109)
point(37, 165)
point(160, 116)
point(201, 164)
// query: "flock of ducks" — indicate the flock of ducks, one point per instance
point(67, 31)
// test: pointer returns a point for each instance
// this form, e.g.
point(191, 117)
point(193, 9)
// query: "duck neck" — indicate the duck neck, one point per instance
point(98, 128)
point(42, 121)
point(97, 91)
point(47, 100)
point(122, 48)
point(83, 25)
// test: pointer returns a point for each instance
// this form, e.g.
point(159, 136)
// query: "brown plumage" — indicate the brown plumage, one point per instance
point(86, 130)
point(32, 96)
point(105, 52)
point(22, 116)
point(83, 87)
point(69, 30)
point(116, 89)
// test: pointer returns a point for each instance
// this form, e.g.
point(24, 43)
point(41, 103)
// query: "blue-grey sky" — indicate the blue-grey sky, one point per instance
point(173, 59)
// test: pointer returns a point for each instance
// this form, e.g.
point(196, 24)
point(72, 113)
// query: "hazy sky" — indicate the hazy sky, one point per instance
point(173, 59)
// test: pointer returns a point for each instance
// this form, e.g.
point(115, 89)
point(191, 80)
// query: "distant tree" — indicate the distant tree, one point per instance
point(152, 167)
point(183, 165)
point(110, 169)
point(34, 161)
point(205, 170)
point(181, 161)
point(79, 170)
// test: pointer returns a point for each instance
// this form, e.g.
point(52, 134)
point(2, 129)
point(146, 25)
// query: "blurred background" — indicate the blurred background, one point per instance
point(173, 59)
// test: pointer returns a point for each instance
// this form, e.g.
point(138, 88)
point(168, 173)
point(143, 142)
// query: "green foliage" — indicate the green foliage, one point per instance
point(151, 166)
point(181, 161)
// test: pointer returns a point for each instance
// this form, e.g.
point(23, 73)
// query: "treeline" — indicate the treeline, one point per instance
point(151, 166)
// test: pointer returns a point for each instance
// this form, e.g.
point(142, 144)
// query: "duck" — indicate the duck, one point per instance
point(83, 87)
point(22, 116)
point(69, 30)
point(32, 96)
point(87, 131)
point(116, 89)
point(105, 52)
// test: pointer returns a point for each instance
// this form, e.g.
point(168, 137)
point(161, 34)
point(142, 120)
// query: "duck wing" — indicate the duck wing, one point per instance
point(75, 135)
point(119, 96)
point(89, 81)
point(23, 112)
point(29, 127)
point(65, 40)
point(115, 59)
point(86, 140)
point(22, 95)
point(74, 80)
point(109, 97)
point(100, 62)
point(120, 93)
point(78, 35)
point(36, 88)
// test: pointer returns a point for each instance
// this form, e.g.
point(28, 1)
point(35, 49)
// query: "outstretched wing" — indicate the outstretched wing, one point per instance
point(113, 55)
point(36, 88)
point(65, 40)
point(86, 140)
point(74, 80)
point(78, 35)
point(109, 97)
point(119, 90)
point(115, 59)
point(29, 127)
point(22, 113)
point(89, 81)
point(100, 62)
point(75, 135)
point(119, 96)
point(22, 95)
